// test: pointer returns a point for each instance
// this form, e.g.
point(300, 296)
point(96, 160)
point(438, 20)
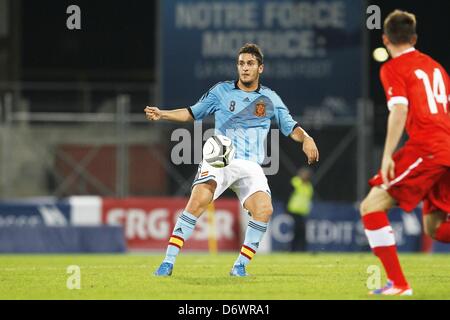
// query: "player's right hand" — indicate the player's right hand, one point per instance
point(387, 170)
point(152, 113)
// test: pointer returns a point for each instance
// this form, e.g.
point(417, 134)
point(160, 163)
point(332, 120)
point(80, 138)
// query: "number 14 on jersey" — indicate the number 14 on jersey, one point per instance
point(437, 94)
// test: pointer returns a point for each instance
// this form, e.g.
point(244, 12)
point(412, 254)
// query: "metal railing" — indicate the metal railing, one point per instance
point(119, 113)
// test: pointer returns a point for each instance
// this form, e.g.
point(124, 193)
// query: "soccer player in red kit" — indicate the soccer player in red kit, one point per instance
point(417, 89)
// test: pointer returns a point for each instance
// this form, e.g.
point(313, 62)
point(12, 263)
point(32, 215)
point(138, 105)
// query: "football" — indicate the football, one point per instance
point(218, 151)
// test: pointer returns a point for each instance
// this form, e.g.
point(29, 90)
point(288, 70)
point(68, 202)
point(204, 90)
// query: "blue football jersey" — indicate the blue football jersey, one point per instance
point(244, 117)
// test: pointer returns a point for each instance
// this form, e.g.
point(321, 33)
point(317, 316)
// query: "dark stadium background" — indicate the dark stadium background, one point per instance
point(118, 43)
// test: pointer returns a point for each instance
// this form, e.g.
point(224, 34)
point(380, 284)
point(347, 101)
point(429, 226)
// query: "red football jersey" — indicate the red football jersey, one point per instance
point(415, 79)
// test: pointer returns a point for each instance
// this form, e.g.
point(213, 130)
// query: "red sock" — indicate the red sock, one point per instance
point(382, 241)
point(443, 232)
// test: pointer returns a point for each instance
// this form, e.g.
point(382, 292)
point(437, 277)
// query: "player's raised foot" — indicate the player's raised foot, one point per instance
point(238, 270)
point(164, 270)
point(392, 290)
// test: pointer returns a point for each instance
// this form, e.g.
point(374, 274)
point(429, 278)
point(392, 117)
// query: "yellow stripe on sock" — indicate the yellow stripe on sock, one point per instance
point(176, 241)
point(247, 252)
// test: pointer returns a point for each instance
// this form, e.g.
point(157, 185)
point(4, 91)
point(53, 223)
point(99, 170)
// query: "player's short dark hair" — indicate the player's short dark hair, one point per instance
point(254, 50)
point(400, 27)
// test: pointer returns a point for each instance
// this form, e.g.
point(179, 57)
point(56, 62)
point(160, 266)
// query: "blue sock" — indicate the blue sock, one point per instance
point(253, 235)
point(183, 229)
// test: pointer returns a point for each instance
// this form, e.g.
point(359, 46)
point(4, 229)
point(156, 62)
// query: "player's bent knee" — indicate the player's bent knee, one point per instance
point(432, 221)
point(267, 211)
point(196, 206)
point(376, 200)
point(263, 212)
point(430, 228)
point(201, 196)
point(368, 206)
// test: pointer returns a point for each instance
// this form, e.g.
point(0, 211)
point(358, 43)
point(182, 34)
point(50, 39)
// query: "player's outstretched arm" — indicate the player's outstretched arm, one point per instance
point(178, 115)
point(309, 146)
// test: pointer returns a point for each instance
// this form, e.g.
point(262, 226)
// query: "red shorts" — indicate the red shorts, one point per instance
point(438, 199)
point(418, 178)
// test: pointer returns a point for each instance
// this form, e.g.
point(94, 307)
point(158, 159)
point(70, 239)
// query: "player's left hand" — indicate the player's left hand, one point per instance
point(387, 170)
point(310, 149)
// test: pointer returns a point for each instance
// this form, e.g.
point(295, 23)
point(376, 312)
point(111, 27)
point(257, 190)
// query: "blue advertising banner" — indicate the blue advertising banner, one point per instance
point(337, 227)
point(62, 239)
point(440, 247)
point(34, 213)
point(313, 50)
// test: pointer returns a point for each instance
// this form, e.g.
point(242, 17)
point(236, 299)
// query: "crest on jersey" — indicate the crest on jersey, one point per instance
point(204, 174)
point(260, 109)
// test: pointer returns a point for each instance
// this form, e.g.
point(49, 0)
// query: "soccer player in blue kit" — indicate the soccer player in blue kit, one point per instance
point(243, 111)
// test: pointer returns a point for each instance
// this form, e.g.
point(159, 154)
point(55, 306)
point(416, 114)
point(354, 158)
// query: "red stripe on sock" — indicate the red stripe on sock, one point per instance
point(180, 238)
point(375, 220)
point(248, 248)
point(174, 244)
point(443, 232)
point(249, 258)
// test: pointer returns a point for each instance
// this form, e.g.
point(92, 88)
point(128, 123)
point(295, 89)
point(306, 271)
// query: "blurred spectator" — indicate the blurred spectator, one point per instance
point(299, 206)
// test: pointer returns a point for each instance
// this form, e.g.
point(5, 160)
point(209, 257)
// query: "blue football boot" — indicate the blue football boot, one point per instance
point(238, 270)
point(164, 270)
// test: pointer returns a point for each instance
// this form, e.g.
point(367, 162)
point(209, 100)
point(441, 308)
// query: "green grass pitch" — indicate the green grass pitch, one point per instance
point(205, 277)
